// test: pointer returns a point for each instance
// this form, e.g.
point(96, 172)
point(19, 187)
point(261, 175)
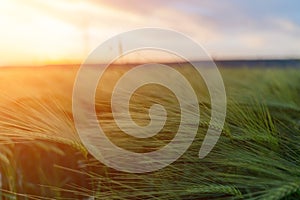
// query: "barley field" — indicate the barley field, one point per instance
point(256, 157)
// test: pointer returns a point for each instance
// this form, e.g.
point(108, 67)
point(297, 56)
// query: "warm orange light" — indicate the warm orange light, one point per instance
point(39, 33)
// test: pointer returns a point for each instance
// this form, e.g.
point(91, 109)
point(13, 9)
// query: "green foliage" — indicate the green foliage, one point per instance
point(257, 156)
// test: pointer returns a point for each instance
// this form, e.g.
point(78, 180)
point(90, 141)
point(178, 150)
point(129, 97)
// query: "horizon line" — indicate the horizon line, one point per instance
point(162, 62)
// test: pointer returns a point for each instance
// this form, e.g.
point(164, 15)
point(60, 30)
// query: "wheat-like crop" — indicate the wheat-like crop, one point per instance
point(257, 156)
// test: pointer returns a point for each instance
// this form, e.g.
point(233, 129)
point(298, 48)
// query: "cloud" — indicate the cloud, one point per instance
point(69, 29)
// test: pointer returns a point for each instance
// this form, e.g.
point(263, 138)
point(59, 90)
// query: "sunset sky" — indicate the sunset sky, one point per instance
point(37, 32)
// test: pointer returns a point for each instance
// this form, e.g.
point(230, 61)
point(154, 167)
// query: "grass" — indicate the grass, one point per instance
point(257, 156)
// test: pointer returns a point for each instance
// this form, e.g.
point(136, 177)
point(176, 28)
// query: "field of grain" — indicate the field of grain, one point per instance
point(257, 156)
